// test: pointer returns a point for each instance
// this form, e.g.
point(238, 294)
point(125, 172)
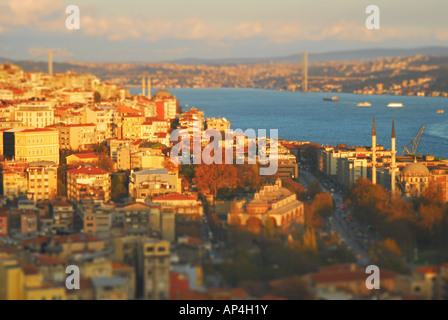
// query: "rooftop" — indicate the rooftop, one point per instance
point(88, 170)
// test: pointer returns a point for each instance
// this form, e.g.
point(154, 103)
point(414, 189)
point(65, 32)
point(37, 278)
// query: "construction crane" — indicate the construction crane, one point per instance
point(411, 148)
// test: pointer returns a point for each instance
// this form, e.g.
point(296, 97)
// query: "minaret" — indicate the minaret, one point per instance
point(50, 63)
point(143, 86)
point(149, 87)
point(305, 71)
point(393, 165)
point(373, 152)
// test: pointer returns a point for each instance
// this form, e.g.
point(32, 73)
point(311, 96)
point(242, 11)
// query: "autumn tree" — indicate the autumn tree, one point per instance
point(213, 177)
point(294, 187)
point(105, 162)
point(323, 204)
point(314, 188)
point(170, 165)
point(387, 254)
point(248, 176)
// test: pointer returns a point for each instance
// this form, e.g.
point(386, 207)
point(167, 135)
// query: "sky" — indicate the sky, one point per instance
point(154, 31)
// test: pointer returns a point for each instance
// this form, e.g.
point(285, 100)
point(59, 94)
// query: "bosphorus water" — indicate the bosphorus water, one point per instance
point(306, 117)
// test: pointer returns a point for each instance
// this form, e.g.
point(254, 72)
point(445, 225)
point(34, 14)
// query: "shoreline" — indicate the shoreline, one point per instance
point(282, 90)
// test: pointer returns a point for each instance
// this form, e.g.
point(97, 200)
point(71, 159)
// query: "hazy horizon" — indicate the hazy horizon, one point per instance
point(121, 31)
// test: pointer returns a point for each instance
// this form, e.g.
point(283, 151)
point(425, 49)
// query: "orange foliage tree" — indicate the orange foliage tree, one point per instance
point(212, 177)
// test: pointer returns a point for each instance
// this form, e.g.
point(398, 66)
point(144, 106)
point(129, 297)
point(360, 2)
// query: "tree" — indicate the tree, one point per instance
point(323, 204)
point(118, 187)
point(213, 177)
point(170, 165)
point(97, 97)
point(248, 176)
point(62, 189)
point(105, 162)
point(314, 188)
point(294, 187)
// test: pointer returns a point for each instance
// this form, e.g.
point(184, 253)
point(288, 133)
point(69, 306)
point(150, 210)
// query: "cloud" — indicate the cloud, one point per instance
point(49, 16)
point(441, 34)
point(57, 52)
point(350, 31)
point(119, 29)
point(30, 12)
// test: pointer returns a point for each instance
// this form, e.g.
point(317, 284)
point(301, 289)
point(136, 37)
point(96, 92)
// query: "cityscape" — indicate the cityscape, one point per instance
point(103, 195)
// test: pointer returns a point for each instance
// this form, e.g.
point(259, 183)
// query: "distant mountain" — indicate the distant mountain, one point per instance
point(349, 55)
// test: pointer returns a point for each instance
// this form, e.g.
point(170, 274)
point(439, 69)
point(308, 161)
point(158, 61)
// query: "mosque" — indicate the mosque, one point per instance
point(413, 178)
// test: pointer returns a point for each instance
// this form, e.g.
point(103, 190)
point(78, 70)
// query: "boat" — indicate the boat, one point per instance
point(395, 105)
point(440, 111)
point(364, 104)
point(335, 99)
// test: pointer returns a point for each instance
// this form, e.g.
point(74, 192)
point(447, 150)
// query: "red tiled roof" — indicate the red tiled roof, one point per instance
point(119, 265)
point(346, 276)
point(161, 134)
point(85, 155)
point(44, 259)
point(88, 170)
point(133, 116)
point(137, 142)
point(37, 130)
point(39, 240)
point(155, 119)
point(80, 237)
point(125, 109)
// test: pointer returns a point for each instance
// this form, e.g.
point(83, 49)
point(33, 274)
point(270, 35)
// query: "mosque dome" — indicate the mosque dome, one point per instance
point(415, 169)
point(162, 94)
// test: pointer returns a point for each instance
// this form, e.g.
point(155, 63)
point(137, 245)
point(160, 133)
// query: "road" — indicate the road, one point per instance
point(352, 234)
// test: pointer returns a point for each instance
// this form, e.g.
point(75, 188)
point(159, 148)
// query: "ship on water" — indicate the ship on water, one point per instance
point(335, 99)
point(364, 104)
point(395, 105)
point(440, 111)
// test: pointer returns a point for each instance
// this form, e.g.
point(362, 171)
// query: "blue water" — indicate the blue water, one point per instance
point(306, 117)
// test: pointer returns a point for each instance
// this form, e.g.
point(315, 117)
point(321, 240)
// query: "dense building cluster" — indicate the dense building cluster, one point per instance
point(86, 180)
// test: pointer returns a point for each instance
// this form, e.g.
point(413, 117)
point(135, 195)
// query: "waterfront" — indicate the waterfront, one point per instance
point(305, 116)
